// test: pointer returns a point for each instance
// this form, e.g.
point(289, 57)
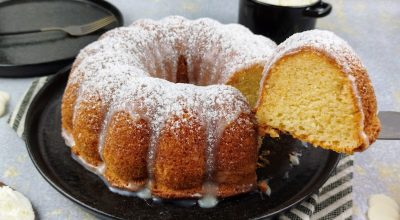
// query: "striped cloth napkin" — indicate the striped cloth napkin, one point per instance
point(332, 201)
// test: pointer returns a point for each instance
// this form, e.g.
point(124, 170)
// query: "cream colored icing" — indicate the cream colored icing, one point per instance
point(4, 98)
point(14, 205)
point(289, 2)
point(382, 207)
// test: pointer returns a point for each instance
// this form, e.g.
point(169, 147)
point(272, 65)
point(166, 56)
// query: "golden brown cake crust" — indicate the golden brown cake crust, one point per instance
point(236, 157)
point(181, 159)
point(68, 105)
point(126, 159)
point(86, 132)
point(141, 139)
point(366, 92)
point(180, 172)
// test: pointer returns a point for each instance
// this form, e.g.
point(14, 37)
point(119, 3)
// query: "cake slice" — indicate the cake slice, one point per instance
point(316, 89)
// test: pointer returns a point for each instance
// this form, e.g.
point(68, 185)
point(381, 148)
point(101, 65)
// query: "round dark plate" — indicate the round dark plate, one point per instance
point(42, 53)
point(290, 184)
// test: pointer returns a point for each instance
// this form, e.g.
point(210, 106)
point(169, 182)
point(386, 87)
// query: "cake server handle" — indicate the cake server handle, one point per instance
point(390, 122)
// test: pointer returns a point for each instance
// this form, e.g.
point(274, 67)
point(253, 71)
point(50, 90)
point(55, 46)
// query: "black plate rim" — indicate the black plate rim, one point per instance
point(46, 68)
point(330, 166)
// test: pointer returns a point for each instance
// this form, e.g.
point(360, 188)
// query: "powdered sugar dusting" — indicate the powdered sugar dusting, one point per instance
point(158, 101)
point(213, 51)
point(134, 69)
point(320, 40)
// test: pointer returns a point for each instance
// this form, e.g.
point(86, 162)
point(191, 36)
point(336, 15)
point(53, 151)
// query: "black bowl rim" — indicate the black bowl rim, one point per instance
point(283, 7)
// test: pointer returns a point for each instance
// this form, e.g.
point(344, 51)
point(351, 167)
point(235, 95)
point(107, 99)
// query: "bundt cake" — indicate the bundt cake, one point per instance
point(316, 89)
point(154, 106)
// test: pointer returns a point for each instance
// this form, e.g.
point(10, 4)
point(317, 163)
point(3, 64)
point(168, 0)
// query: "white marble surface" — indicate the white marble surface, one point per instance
point(371, 27)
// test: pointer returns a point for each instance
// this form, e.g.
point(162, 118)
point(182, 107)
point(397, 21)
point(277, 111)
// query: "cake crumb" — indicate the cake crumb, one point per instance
point(11, 172)
point(55, 212)
point(294, 158)
point(264, 187)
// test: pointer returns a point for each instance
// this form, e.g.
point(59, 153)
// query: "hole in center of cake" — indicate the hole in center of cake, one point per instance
point(182, 73)
point(195, 71)
point(205, 72)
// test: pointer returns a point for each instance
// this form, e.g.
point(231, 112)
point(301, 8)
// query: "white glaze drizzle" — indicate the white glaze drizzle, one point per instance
point(4, 98)
point(208, 201)
point(141, 192)
point(363, 135)
point(157, 102)
point(68, 138)
point(144, 193)
point(329, 44)
point(117, 66)
point(98, 170)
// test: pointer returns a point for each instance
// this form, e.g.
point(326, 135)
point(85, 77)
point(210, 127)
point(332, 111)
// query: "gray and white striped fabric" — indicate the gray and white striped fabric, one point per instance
point(17, 118)
point(332, 201)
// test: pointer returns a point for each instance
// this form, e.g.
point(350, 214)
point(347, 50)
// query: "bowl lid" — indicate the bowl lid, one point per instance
point(42, 53)
point(293, 4)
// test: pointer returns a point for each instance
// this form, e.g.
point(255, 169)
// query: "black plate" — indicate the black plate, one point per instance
point(43, 53)
point(53, 160)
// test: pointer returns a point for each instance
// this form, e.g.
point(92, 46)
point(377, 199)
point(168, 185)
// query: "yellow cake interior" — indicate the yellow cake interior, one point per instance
point(248, 82)
point(300, 87)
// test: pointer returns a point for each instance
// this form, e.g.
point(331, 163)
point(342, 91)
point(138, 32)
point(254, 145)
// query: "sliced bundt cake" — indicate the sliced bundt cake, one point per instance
point(316, 89)
point(159, 107)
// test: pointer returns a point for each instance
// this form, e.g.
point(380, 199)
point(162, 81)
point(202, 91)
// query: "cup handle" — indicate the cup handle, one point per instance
point(321, 9)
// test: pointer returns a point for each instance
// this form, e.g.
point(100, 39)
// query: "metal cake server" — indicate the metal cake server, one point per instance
point(390, 122)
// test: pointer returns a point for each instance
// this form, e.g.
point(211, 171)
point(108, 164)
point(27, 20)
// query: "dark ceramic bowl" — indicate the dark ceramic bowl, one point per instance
point(280, 22)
